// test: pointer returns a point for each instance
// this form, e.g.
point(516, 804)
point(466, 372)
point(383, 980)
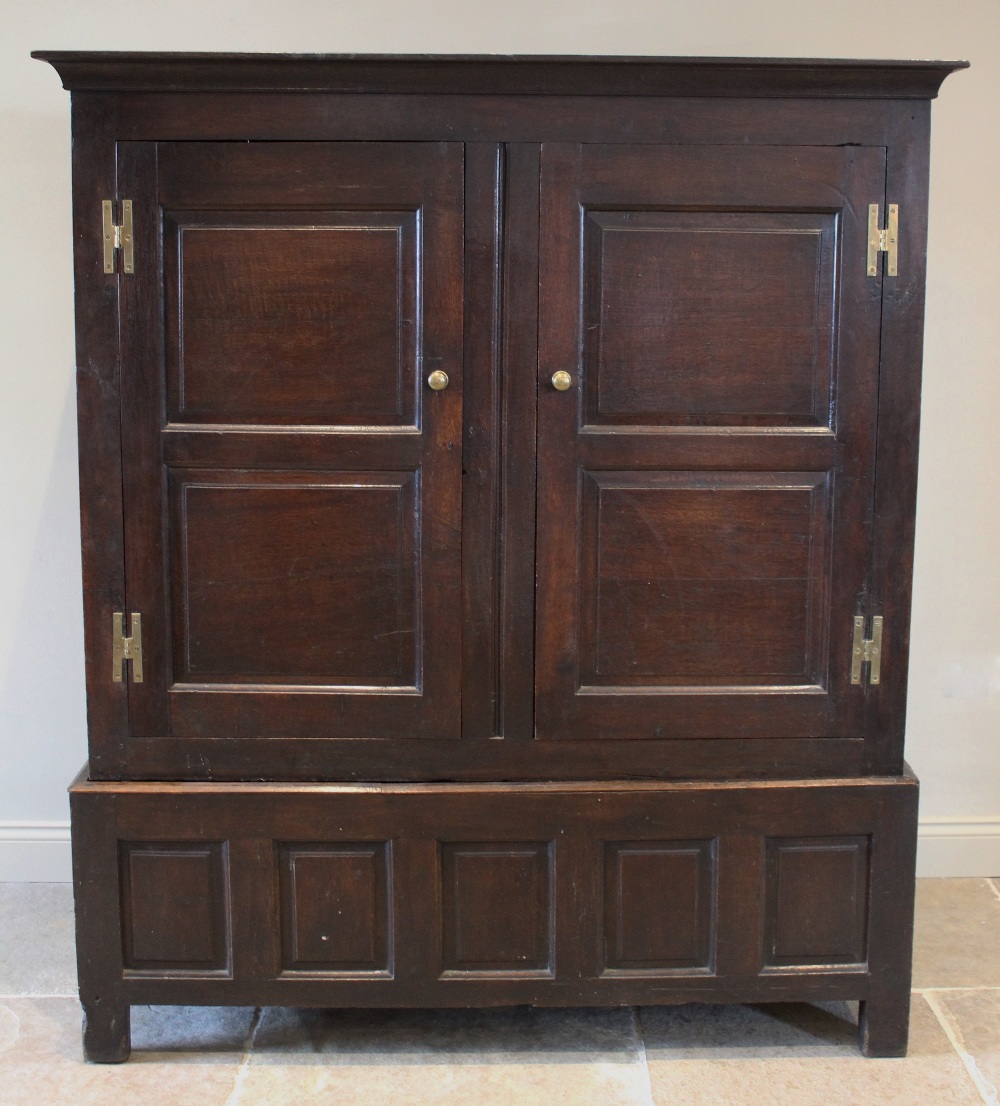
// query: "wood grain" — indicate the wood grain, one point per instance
point(175, 907)
point(816, 905)
point(674, 330)
point(336, 907)
point(278, 320)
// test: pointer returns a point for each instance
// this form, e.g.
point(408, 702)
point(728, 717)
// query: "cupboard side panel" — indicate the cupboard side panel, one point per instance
point(99, 427)
point(896, 453)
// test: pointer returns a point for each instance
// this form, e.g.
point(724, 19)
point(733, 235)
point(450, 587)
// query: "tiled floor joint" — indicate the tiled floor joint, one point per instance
point(640, 1046)
point(986, 1089)
point(241, 1075)
point(945, 990)
point(38, 994)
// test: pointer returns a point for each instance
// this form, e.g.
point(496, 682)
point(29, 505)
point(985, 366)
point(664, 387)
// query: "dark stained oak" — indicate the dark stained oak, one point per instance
point(274, 320)
point(730, 755)
point(594, 117)
point(497, 894)
point(485, 179)
point(295, 606)
point(907, 159)
point(336, 904)
point(301, 286)
point(175, 907)
point(496, 906)
point(817, 901)
point(675, 330)
point(677, 934)
point(496, 694)
point(709, 300)
point(100, 945)
point(98, 397)
point(525, 74)
point(363, 605)
point(651, 546)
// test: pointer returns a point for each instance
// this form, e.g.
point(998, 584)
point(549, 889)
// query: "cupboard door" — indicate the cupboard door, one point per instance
point(292, 483)
point(706, 480)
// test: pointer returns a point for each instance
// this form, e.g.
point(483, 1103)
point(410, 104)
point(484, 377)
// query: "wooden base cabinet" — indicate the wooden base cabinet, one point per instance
point(497, 483)
point(483, 894)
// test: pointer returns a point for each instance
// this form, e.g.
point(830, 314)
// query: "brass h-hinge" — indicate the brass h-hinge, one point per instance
point(884, 241)
point(126, 648)
point(118, 237)
point(869, 650)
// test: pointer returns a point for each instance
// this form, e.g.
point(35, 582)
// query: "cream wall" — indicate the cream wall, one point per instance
point(954, 705)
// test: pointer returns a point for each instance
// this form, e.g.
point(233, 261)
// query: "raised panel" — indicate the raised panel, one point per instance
point(175, 906)
point(659, 905)
point(336, 907)
point(717, 317)
point(497, 907)
point(706, 577)
point(278, 318)
point(816, 901)
point(295, 577)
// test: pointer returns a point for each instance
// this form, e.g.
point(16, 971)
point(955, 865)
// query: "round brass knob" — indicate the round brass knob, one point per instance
point(561, 381)
point(438, 380)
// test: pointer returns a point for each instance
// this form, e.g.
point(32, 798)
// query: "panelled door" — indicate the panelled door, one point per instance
point(706, 458)
point(292, 481)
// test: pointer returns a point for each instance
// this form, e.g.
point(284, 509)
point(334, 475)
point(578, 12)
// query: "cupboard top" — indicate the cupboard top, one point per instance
point(499, 74)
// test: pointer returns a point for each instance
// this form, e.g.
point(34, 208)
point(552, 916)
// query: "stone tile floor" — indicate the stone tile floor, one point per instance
point(653, 1056)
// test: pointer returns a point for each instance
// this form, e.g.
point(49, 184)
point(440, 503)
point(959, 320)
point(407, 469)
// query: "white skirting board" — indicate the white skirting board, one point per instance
point(35, 852)
point(38, 852)
point(959, 846)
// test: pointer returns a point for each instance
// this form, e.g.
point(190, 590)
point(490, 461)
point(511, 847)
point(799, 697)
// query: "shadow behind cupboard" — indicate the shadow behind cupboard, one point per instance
point(497, 487)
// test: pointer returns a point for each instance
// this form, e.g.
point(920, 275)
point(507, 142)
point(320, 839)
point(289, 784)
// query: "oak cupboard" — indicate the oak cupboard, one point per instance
point(497, 485)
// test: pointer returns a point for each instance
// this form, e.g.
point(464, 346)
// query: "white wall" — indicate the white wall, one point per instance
point(954, 707)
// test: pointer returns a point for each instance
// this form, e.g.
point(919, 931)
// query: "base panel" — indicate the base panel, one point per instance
point(363, 895)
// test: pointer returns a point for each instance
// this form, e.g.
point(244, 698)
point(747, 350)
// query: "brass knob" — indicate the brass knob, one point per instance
point(561, 381)
point(438, 380)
